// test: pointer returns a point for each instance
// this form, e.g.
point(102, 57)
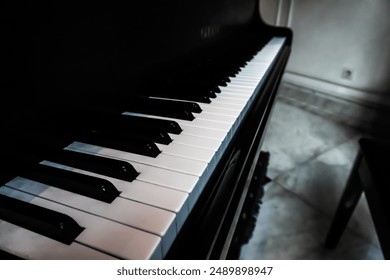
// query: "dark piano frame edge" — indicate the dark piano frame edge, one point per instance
point(200, 237)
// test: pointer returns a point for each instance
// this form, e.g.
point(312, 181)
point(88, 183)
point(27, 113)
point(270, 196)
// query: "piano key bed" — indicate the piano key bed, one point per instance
point(133, 217)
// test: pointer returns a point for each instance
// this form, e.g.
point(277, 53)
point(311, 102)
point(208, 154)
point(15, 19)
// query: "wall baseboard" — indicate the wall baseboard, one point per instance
point(338, 91)
point(363, 114)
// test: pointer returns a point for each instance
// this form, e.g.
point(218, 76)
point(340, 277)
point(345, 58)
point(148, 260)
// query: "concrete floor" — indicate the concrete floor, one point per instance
point(311, 157)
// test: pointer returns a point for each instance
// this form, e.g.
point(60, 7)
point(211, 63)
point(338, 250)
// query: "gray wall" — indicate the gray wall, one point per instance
point(340, 47)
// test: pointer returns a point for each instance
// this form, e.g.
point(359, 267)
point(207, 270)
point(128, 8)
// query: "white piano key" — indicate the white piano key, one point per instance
point(173, 163)
point(167, 178)
point(207, 124)
point(228, 105)
point(237, 90)
point(255, 76)
point(146, 193)
point(158, 176)
point(29, 245)
point(215, 117)
point(257, 66)
point(166, 198)
point(196, 131)
point(228, 100)
point(101, 234)
point(242, 86)
point(248, 80)
point(220, 109)
point(253, 82)
point(153, 220)
point(252, 71)
point(187, 151)
point(236, 95)
point(201, 132)
point(188, 137)
point(195, 122)
point(180, 165)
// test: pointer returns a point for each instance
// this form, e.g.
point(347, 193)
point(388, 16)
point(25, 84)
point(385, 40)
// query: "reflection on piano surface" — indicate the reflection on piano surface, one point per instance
point(133, 131)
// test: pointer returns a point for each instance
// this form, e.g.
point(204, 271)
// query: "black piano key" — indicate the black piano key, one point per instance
point(117, 124)
point(132, 144)
point(195, 87)
point(105, 166)
point(38, 219)
point(187, 105)
point(183, 115)
point(221, 79)
point(82, 184)
point(127, 130)
point(215, 89)
point(182, 94)
point(199, 85)
point(233, 72)
point(159, 107)
point(156, 136)
point(168, 125)
point(229, 72)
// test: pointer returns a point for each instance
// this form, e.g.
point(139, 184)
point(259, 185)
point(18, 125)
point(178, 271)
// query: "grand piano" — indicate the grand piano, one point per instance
point(133, 130)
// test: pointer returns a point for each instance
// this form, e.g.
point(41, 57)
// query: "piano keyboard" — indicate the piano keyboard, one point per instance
point(145, 213)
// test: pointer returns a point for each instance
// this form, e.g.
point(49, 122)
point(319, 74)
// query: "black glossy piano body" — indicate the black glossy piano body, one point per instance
point(67, 66)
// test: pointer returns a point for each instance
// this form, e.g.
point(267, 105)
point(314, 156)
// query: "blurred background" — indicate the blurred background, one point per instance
point(334, 91)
